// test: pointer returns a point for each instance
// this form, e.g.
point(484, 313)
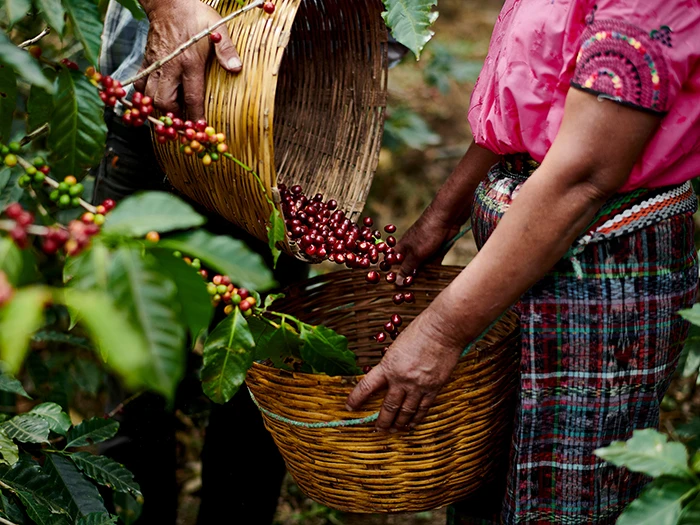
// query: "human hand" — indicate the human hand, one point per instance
point(172, 23)
point(414, 369)
point(422, 241)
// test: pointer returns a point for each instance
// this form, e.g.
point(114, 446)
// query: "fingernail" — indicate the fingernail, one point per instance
point(399, 280)
point(348, 408)
point(234, 63)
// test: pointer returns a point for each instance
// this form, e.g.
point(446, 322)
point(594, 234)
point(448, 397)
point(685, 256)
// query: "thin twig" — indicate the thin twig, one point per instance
point(38, 132)
point(159, 63)
point(121, 405)
point(35, 39)
point(6, 522)
point(32, 228)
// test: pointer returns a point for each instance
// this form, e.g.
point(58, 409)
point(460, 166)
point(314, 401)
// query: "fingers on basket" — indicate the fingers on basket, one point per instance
point(390, 408)
point(374, 381)
point(423, 408)
point(227, 55)
point(408, 410)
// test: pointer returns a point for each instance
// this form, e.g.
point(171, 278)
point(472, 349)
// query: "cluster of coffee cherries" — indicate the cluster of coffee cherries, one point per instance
point(138, 113)
point(8, 154)
point(34, 174)
point(68, 193)
point(99, 217)
point(196, 138)
point(111, 91)
point(223, 291)
point(80, 235)
point(22, 220)
point(323, 232)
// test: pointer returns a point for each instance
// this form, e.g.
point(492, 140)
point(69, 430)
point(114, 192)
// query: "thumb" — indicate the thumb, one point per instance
point(374, 381)
point(226, 53)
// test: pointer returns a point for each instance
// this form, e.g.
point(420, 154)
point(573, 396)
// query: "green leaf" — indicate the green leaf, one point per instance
point(39, 105)
point(272, 298)
point(8, 103)
point(281, 343)
point(691, 513)
point(134, 7)
point(128, 507)
point(107, 472)
point(327, 351)
point(151, 299)
point(410, 21)
point(17, 10)
point(97, 518)
point(659, 504)
point(195, 302)
point(151, 211)
point(53, 414)
point(648, 452)
point(276, 233)
point(692, 315)
point(19, 319)
point(86, 22)
point(691, 352)
point(90, 269)
point(34, 489)
point(228, 354)
point(121, 346)
point(9, 509)
point(12, 385)
point(8, 449)
point(405, 127)
point(53, 13)
point(77, 133)
point(91, 431)
point(23, 64)
point(80, 497)
point(27, 428)
point(48, 336)
point(225, 255)
point(10, 259)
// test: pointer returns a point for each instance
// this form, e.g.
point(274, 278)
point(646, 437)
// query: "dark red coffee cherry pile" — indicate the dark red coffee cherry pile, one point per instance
point(23, 219)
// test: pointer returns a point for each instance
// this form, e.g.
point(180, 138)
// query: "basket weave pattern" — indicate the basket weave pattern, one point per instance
point(307, 108)
point(461, 443)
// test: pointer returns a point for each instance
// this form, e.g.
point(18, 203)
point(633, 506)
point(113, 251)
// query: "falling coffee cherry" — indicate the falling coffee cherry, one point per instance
point(380, 337)
point(269, 7)
point(390, 228)
point(409, 297)
point(396, 320)
point(373, 277)
point(366, 369)
point(399, 298)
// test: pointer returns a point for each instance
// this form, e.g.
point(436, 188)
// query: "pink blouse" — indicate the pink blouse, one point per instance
point(640, 53)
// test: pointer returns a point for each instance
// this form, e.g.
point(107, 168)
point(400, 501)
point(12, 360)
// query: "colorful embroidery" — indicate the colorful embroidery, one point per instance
point(663, 35)
point(622, 62)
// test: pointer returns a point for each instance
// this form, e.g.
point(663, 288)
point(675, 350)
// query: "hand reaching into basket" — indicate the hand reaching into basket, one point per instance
point(414, 369)
point(173, 22)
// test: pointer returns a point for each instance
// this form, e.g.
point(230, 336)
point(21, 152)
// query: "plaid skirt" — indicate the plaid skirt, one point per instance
point(600, 342)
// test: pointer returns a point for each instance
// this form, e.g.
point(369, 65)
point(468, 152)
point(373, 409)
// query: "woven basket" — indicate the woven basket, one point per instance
point(460, 445)
point(307, 108)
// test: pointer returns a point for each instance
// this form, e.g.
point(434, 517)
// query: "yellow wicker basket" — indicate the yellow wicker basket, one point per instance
point(461, 444)
point(307, 108)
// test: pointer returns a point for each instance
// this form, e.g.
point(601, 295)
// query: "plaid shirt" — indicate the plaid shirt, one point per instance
point(124, 41)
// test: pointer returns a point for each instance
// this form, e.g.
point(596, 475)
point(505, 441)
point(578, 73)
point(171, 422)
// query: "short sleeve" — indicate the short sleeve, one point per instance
point(627, 52)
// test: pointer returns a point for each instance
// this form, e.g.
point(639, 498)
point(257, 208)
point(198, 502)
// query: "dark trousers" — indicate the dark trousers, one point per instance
point(242, 469)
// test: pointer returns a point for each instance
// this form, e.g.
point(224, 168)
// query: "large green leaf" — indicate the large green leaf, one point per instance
point(10, 509)
point(91, 431)
point(277, 345)
point(27, 428)
point(12, 385)
point(134, 7)
point(195, 302)
point(692, 314)
point(151, 299)
point(327, 351)
point(86, 22)
point(97, 518)
point(226, 255)
point(23, 64)
point(90, 269)
point(276, 234)
point(128, 507)
point(691, 352)
point(78, 495)
point(77, 131)
point(151, 211)
point(39, 106)
point(107, 472)
point(121, 346)
point(649, 452)
point(53, 414)
point(8, 449)
point(19, 319)
point(17, 10)
point(53, 13)
point(34, 489)
point(10, 259)
point(228, 354)
point(410, 21)
point(659, 504)
point(691, 513)
point(8, 103)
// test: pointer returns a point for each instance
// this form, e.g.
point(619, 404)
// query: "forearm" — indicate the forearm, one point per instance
point(452, 204)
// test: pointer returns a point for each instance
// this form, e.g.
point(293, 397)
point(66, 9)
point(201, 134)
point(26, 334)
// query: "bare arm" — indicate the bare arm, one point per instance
point(594, 152)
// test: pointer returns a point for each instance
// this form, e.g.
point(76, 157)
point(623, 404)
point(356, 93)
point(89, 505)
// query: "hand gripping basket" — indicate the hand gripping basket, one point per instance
point(337, 458)
point(307, 108)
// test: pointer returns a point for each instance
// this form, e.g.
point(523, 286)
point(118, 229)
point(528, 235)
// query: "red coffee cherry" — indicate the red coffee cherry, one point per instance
point(215, 37)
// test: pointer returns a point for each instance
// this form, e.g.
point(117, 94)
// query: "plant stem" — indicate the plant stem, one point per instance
point(38, 132)
point(35, 39)
point(121, 405)
point(7, 522)
point(178, 51)
point(32, 228)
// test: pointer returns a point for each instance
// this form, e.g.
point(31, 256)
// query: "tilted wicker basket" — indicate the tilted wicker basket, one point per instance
point(307, 108)
point(461, 444)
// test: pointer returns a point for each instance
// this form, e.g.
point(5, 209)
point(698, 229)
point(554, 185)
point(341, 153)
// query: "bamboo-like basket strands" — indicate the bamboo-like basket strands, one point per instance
point(461, 444)
point(307, 108)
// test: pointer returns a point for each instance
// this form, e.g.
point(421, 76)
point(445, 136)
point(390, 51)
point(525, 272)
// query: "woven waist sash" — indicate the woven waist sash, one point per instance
point(623, 213)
